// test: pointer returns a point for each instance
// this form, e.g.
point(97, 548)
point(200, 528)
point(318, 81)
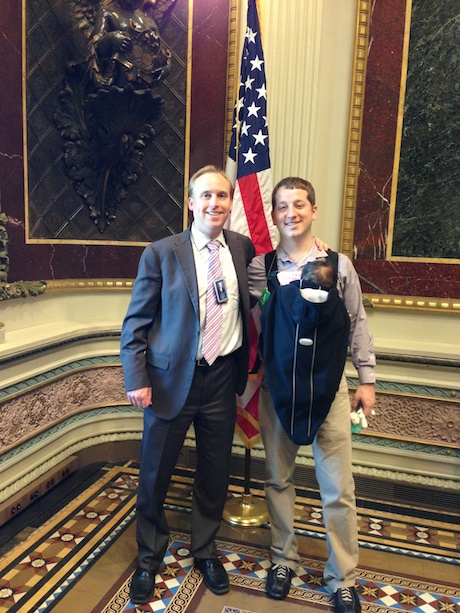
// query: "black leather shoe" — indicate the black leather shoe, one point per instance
point(142, 586)
point(214, 574)
point(346, 600)
point(278, 581)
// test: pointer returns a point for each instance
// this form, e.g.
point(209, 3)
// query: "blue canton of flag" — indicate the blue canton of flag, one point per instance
point(248, 163)
point(250, 132)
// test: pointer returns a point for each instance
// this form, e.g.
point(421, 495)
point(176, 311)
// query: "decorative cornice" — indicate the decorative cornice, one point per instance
point(21, 289)
point(425, 360)
point(26, 415)
point(358, 469)
point(71, 421)
point(77, 337)
point(49, 464)
point(410, 389)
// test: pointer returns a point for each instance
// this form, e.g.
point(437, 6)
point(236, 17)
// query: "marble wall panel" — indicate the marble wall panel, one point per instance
point(423, 276)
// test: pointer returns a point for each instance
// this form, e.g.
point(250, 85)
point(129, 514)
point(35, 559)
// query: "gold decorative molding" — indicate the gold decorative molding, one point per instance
point(65, 285)
point(233, 70)
point(417, 303)
point(355, 126)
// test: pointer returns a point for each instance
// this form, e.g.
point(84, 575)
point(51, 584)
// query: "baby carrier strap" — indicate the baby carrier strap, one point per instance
point(271, 265)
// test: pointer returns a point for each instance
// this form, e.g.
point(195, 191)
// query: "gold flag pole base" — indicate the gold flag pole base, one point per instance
point(245, 511)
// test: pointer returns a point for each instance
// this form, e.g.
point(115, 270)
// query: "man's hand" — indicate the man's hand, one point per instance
point(364, 397)
point(141, 398)
point(321, 244)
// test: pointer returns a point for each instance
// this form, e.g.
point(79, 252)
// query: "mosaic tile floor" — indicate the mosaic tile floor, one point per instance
point(247, 567)
point(48, 564)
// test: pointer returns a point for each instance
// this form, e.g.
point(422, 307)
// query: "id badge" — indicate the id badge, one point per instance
point(220, 291)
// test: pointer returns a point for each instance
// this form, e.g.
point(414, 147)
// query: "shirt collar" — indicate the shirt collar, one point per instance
point(201, 240)
point(313, 254)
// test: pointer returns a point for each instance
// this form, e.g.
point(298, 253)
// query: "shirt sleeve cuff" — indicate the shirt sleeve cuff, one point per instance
point(366, 374)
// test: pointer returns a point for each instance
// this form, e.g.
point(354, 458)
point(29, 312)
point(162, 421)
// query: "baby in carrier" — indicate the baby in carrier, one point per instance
point(304, 357)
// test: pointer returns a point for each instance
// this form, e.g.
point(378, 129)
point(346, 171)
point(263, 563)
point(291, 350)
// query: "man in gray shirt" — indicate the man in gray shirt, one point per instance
point(294, 210)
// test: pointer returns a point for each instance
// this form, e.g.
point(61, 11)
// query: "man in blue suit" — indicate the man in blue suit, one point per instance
point(167, 375)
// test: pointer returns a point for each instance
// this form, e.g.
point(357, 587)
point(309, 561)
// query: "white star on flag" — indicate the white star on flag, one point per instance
point(248, 164)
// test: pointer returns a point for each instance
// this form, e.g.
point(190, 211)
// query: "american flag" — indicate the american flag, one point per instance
point(248, 167)
point(248, 163)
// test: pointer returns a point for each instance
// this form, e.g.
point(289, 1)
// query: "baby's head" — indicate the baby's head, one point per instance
point(319, 272)
point(320, 275)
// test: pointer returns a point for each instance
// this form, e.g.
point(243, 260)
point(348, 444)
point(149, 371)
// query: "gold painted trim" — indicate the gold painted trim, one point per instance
point(411, 303)
point(233, 72)
point(188, 114)
point(24, 119)
point(399, 128)
point(355, 125)
point(85, 242)
point(66, 285)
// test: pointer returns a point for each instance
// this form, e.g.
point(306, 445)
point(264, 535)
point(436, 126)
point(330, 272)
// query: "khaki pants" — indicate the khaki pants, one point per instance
point(332, 454)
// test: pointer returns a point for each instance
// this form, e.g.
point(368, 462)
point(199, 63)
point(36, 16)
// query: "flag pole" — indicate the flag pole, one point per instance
point(246, 510)
point(248, 167)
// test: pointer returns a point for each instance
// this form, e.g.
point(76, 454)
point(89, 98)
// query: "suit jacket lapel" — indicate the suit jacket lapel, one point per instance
point(239, 260)
point(184, 256)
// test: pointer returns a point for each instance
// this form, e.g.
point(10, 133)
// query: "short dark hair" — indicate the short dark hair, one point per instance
point(209, 169)
point(294, 183)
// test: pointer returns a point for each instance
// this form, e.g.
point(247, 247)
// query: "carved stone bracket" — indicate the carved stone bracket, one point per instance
point(19, 289)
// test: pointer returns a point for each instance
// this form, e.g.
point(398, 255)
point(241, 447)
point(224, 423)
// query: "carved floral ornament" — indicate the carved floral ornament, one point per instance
point(108, 104)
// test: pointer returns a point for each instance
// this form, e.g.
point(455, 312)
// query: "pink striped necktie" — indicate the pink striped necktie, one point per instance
point(213, 324)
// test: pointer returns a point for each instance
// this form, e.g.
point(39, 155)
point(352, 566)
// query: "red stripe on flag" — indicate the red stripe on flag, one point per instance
point(247, 426)
point(255, 213)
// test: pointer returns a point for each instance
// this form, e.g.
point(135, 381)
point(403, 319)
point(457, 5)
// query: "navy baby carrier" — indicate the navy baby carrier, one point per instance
point(304, 376)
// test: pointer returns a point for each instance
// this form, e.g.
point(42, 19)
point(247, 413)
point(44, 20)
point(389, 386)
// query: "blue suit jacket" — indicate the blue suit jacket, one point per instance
point(160, 333)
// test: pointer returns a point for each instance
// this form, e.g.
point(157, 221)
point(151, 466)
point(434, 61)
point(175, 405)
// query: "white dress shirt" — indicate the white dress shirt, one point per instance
point(232, 325)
